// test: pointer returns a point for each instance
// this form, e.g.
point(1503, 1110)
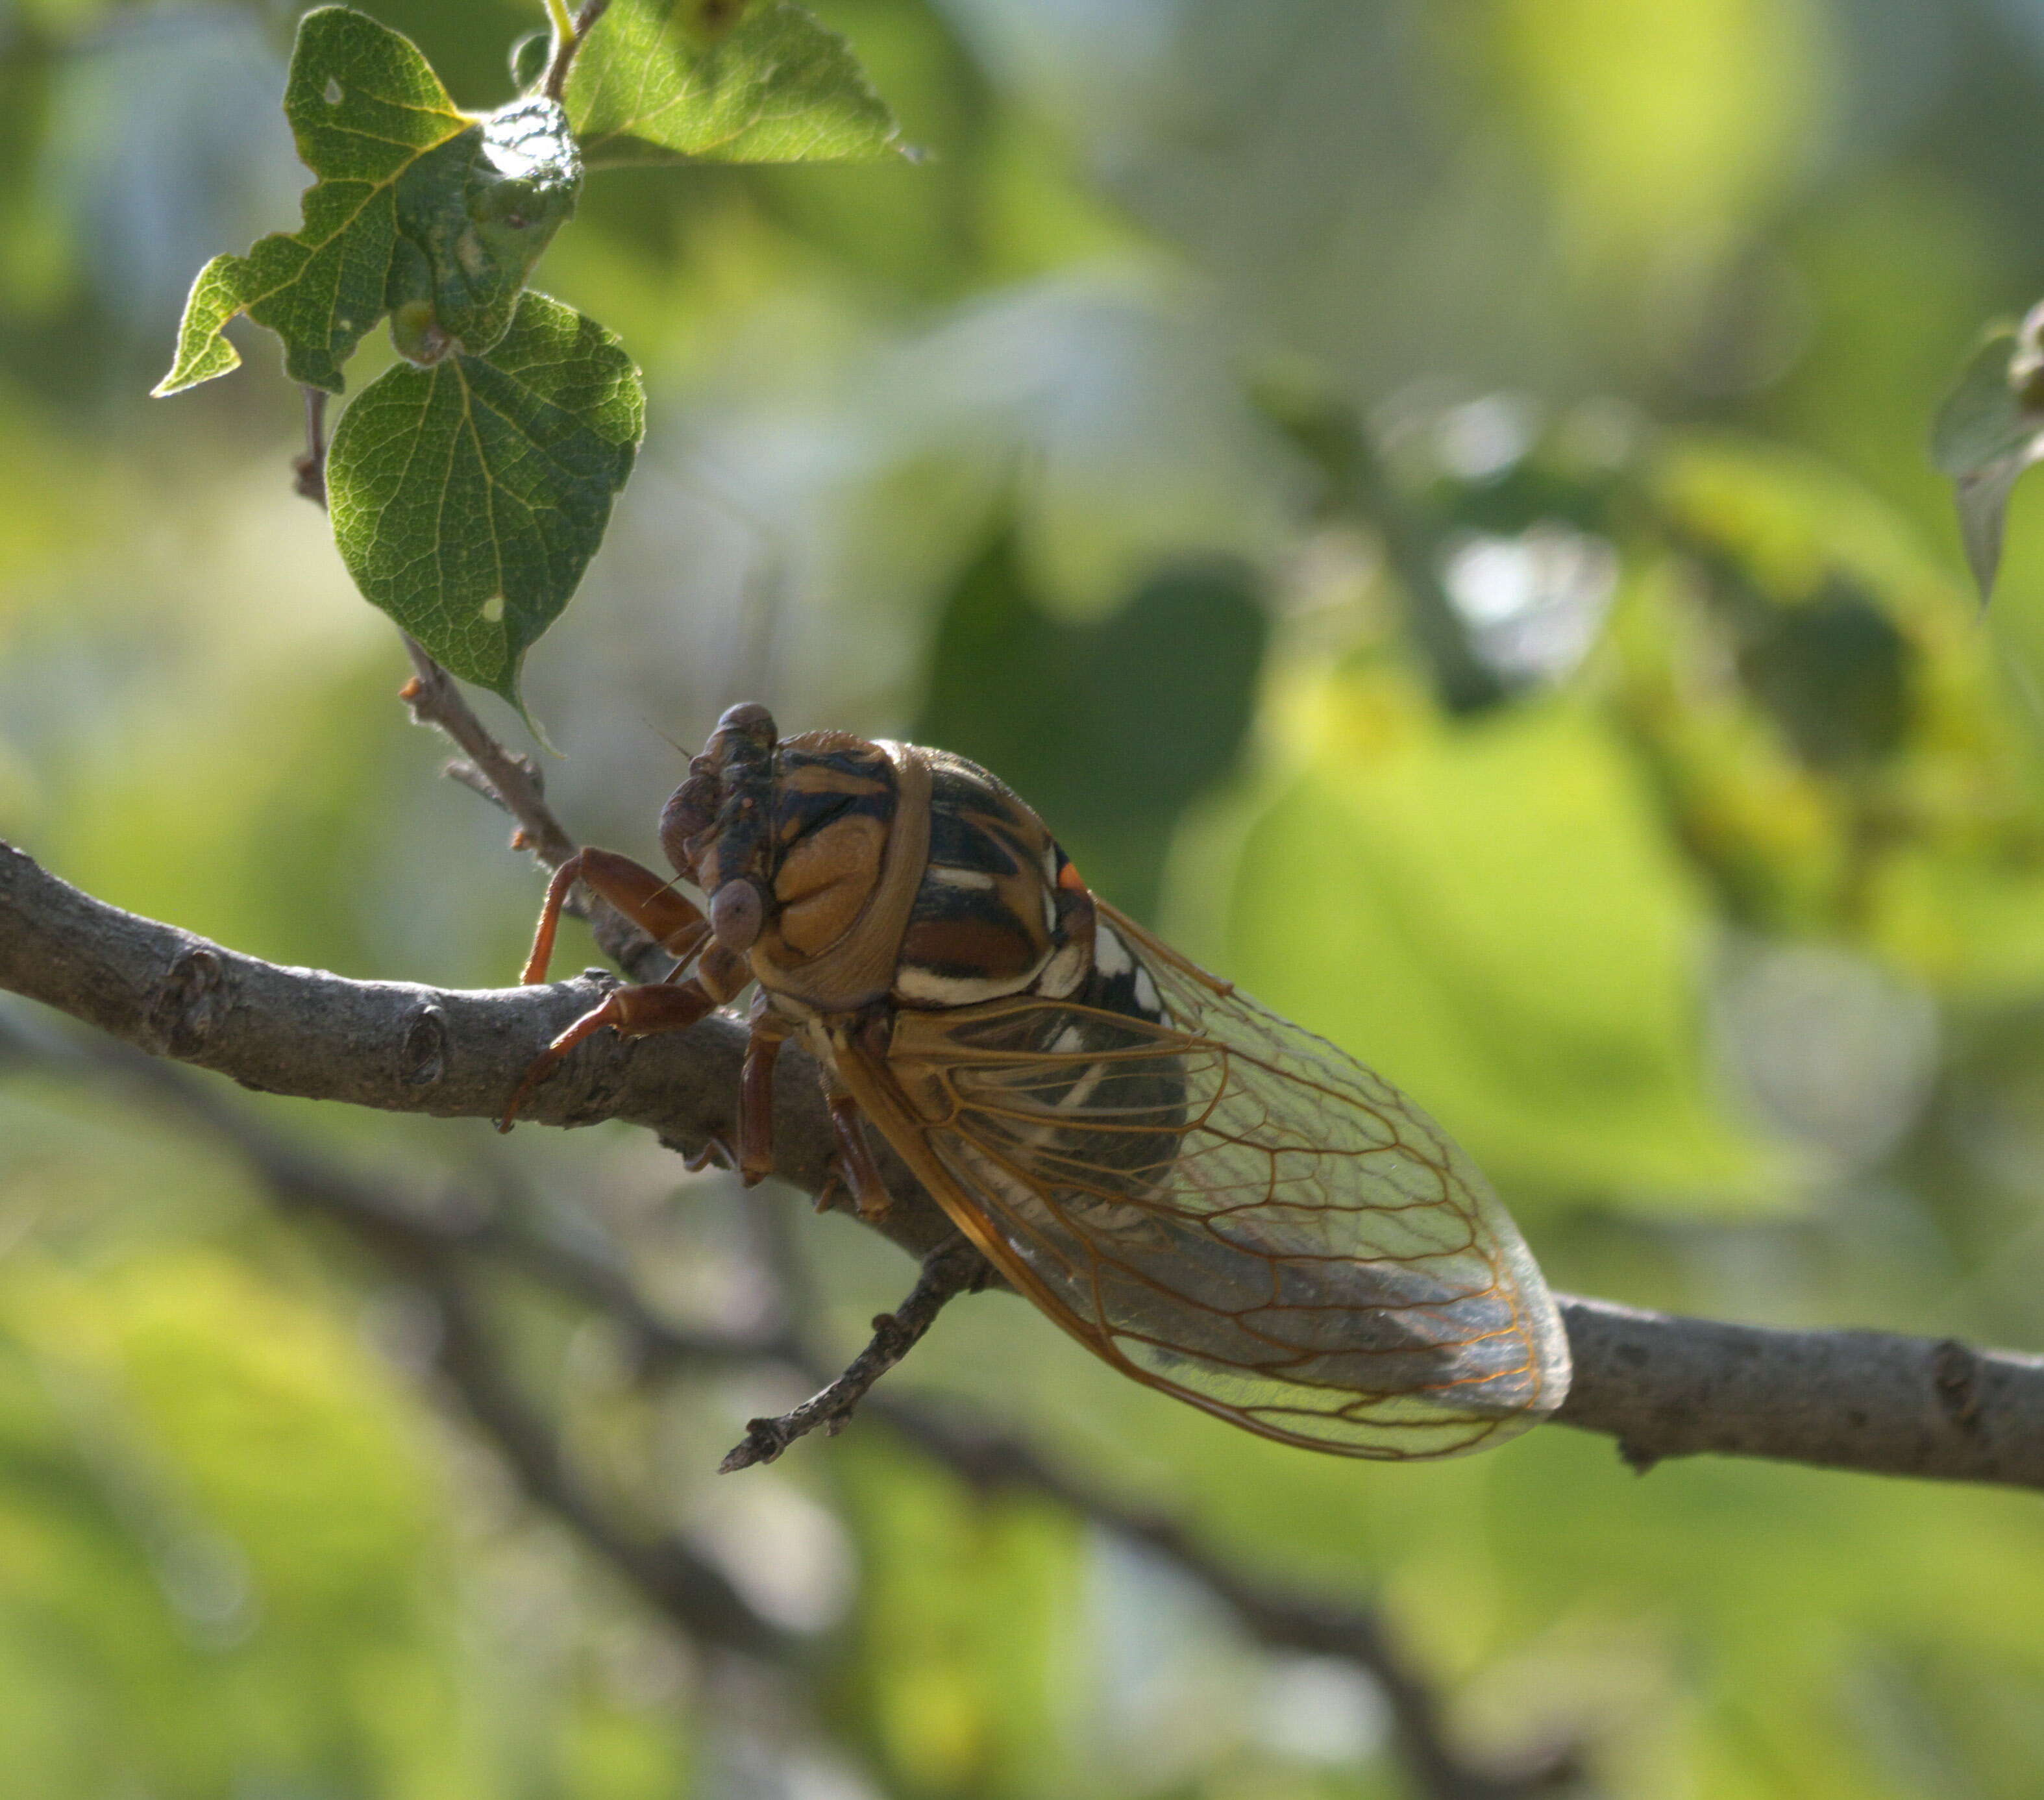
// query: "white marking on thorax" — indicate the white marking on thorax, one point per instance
point(817, 1036)
point(948, 876)
point(933, 990)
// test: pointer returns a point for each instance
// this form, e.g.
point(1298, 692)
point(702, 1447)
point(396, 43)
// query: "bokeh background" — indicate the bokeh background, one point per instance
point(1428, 498)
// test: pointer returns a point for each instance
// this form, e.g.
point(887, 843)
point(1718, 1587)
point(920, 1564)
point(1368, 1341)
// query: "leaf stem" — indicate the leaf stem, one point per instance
point(563, 22)
point(308, 471)
point(568, 38)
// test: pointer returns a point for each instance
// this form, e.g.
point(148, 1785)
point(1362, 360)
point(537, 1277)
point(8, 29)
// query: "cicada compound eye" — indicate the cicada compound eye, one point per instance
point(689, 813)
point(737, 913)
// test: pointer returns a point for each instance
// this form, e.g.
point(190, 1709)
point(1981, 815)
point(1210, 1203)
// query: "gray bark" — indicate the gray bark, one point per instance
point(1662, 1384)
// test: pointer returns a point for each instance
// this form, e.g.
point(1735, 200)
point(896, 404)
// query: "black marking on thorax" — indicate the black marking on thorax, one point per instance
point(985, 918)
point(819, 782)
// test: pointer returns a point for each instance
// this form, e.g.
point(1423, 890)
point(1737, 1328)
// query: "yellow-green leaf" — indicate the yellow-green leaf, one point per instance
point(419, 210)
point(660, 82)
point(1490, 914)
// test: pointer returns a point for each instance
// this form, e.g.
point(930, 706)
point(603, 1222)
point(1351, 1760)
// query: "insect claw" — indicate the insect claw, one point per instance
point(715, 1154)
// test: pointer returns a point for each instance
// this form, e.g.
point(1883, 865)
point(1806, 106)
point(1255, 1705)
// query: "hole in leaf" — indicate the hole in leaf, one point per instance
point(492, 609)
point(332, 91)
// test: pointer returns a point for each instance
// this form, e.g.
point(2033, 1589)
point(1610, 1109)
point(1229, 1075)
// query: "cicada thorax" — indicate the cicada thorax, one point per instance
point(1000, 909)
point(905, 876)
point(895, 882)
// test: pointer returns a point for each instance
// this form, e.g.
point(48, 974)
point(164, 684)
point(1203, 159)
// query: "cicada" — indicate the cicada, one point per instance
point(1212, 1199)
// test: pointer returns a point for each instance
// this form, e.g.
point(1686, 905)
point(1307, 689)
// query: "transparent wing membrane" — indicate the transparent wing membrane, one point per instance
point(1235, 1211)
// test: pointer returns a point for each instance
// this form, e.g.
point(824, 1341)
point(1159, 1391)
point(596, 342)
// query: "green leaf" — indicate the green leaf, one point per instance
point(419, 210)
point(1988, 431)
point(664, 81)
point(468, 498)
point(1492, 916)
point(474, 217)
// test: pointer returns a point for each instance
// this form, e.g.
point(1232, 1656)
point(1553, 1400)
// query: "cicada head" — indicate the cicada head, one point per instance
point(716, 827)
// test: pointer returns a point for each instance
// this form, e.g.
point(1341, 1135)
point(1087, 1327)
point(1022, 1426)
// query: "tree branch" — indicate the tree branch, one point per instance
point(1662, 1384)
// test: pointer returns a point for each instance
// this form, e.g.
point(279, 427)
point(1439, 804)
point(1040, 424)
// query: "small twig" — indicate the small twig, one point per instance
point(310, 469)
point(565, 46)
point(514, 783)
point(956, 1268)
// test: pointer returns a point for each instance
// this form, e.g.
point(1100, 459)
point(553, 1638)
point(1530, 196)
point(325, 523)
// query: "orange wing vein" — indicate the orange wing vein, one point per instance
point(1229, 1208)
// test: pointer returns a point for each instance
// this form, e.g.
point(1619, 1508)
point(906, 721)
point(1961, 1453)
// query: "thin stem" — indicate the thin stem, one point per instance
point(558, 17)
point(514, 783)
point(957, 1268)
point(568, 39)
point(308, 471)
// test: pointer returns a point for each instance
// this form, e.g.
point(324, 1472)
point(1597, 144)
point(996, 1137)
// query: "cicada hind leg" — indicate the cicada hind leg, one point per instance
point(642, 1011)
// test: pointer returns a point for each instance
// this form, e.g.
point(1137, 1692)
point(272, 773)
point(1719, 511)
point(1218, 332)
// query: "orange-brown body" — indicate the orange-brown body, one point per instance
point(1212, 1200)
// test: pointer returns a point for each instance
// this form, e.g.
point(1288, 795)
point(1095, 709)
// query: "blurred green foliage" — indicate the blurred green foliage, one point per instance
point(1711, 918)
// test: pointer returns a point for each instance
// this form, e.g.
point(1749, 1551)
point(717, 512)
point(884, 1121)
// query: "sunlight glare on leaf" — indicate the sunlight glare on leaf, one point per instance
point(419, 210)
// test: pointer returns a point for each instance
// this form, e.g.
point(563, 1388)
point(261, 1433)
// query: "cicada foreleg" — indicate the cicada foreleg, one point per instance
point(679, 927)
point(648, 902)
point(634, 1012)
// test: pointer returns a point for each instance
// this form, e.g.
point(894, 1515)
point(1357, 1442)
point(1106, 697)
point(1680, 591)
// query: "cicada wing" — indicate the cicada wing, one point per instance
point(1230, 1209)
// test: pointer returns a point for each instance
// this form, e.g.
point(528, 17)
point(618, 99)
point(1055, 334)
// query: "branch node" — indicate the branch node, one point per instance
point(186, 1003)
point(422, 1060)
point(1955, 1373)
